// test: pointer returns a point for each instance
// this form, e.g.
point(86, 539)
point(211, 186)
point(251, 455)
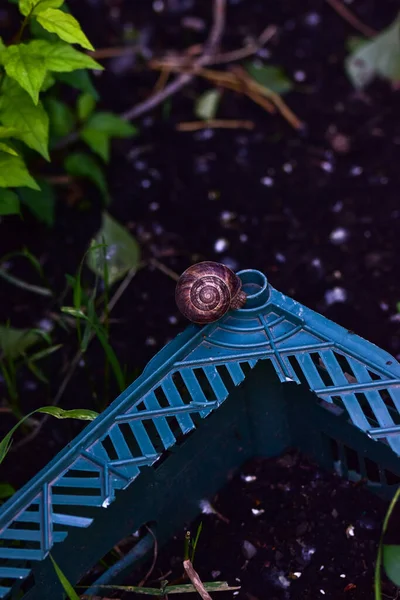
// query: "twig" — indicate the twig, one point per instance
point(113, 52)
point(248, 50)
point(169, 272)
point(224, 57)
point(215, 124)
point(354, 21)
point(195, 579)
point(183, 79)
point(275, 98)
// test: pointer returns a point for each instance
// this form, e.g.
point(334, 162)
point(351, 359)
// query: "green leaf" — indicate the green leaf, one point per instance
point(391, 562)
point(80, 164)
point(54, 411)
point(13, 173)
point(8, 149)
point(65, 26)
point(112, 125)
point(68, 588)
point(378, 562)
point(100, 128)
point(83, 414)
point(97, 141)
point(40, 203)
point(6, 132)
point(27, 7)
point(85, 106)
point(6, 491)
point(9, 203)
point(122, 252)
point(206, 105)
point(379, 57)
point(112, 359)
point(63, 58)
point(273, 78)
point(80, 80)
point(354, 42)
point(14, 342)
point(73, 312)
point(26, 67)
point(30, 122)
point(48, 82)
point(62, 120)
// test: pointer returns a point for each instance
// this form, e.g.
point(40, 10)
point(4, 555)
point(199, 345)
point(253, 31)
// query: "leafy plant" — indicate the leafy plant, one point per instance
point(67, 586)
point(111, 254)
point(14, 345)
point(191, 544)
point(207, 104)
point(388, 554)
point(379, 57)
point(6, 491)
point(274, 78)
point(33, 118)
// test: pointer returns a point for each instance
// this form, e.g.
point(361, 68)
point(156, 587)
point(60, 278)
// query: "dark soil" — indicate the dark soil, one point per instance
point(322, 222)
point(294, 532)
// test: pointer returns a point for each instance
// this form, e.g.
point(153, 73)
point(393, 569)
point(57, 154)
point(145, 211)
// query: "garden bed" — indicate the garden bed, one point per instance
point(283, 530)
point(321, 220)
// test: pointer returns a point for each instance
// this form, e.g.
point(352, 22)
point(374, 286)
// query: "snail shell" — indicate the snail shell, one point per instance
point(207, 290)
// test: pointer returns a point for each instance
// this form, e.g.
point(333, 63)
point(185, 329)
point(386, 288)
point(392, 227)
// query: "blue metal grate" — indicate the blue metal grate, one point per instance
point(185, 382)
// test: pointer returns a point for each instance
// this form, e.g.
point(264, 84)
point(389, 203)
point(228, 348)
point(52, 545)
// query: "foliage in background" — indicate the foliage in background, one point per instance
point(33, 117)
point(389, 555)
point(379, 57)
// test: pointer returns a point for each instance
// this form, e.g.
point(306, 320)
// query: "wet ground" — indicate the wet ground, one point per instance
point(293, 532)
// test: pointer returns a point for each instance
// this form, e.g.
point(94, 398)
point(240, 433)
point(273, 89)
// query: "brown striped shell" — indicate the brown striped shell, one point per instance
point(207, 290)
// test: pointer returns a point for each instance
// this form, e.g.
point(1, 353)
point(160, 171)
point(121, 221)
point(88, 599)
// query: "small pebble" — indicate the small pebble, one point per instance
point(327, 166)
point(257, 511)
point(248, 478)
point(221, 245)
point(249, 551)
point(312, 19)
point(267, 181)
point(350, 531)
point(299, 76)
point(287, 167)
point(337, 294)
point(339, 235)
point(356, 171)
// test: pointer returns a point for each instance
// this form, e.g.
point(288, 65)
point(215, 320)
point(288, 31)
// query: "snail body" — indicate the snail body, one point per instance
point(208, 290)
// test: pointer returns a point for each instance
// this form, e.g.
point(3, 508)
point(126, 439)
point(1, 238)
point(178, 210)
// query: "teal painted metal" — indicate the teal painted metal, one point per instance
point(349, 401)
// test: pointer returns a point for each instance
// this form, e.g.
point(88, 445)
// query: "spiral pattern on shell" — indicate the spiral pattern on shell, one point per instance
point(207, 290)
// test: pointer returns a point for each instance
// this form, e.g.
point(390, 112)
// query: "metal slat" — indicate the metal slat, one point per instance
point(216, 383)
point(175, 399)
point(30, 536)
point(349, 400)
point(163, 429)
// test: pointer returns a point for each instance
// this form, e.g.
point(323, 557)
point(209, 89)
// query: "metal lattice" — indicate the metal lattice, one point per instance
point(184, 383)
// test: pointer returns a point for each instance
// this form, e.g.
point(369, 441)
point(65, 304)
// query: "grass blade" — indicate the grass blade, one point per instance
point(69, 590)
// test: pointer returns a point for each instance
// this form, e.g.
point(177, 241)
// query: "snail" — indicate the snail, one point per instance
point(207, 290)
